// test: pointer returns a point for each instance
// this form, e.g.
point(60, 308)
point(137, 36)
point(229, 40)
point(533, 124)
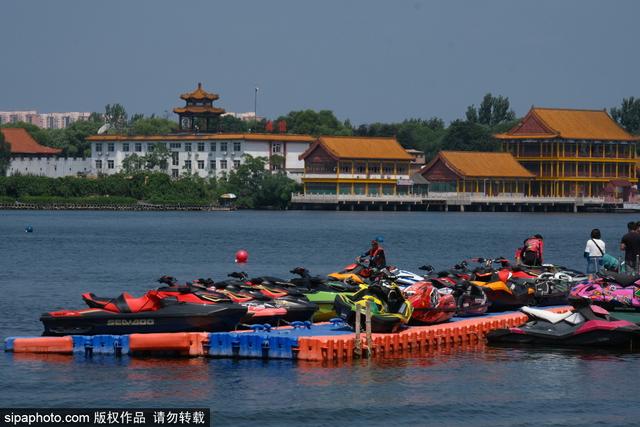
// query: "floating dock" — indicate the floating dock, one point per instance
point(331, 341)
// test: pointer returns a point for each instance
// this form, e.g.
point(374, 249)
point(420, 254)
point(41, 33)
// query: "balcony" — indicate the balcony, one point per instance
point(354, 176)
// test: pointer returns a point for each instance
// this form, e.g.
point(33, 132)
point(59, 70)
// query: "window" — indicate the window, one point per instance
point(187, 146)
point(345, 168)
point(236, 146)
point(99, 147)
point(174, 173)
point(125, 147)
point(200, 164)
point(187, 164)
point(98, 164)
point(212, 165)
point(175, 145)
point(276, 147)
point(361, 168)
point(110, 164)
point(200, 146)
point(159, 145)
point(111, 147)
point(236, 164)
point(223, 164)
point(174, 158)
point(212, 146)
point(138, 147)
point(223, 146)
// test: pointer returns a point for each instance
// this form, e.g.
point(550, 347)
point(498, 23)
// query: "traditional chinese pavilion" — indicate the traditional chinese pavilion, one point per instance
point(491, 174)
point(356, 166)
point(574, 153)
point(199, 114)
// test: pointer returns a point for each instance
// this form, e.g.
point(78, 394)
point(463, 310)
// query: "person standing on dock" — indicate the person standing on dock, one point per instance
point(594, 251)
point(630, 244)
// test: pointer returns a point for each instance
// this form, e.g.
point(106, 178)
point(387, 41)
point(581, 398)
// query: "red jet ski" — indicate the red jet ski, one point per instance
point(430, 305)
point(155, 311)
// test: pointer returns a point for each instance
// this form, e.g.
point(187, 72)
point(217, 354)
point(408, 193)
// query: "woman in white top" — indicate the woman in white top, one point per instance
point(594, 251)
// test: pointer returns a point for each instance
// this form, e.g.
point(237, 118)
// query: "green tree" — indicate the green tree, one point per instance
point(257, 187)
point(116, 116)
point(157, 158)
point(628, 114)
point(73, 139)
point(5, 155)
point(492, 111)
point(318, 123)
point(233, 125)
point(133, 163)
point(151, 126)
point(468, 136)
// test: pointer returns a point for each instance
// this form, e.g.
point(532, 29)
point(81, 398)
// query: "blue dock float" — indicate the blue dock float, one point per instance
point(262, 341)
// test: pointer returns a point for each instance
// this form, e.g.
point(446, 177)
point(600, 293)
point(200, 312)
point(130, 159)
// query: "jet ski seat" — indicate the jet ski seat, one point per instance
point(546, 315)
point(622, 279)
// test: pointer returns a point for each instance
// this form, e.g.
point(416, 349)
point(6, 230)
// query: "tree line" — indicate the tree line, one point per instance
point(474, 132)
point(253, 184)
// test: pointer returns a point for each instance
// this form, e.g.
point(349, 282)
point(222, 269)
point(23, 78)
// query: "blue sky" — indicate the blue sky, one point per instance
point(365, 60)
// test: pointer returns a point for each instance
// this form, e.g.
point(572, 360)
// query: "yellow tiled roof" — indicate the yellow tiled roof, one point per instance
point(198, 109)
point(571, 124)
point(200, 94)
point(354, 147)
point(481, 164)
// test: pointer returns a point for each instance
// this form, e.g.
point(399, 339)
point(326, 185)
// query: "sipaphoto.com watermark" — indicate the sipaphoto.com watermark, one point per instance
point(92, 417)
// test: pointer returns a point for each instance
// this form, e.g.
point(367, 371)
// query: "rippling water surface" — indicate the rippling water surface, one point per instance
point(107, 253)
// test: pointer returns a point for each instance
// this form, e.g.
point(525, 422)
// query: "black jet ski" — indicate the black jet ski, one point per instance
point(585, 325)
point(156, 311)
point(298, 306)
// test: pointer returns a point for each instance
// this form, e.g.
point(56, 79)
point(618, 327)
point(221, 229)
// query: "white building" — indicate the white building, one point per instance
point(206, 155)
point(30, 158)
point(43, 120)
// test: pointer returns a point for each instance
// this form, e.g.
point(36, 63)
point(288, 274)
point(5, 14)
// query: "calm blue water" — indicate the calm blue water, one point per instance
point(107, 253)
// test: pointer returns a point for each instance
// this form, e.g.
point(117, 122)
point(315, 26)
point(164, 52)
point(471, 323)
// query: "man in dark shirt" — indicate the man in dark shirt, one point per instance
point(630, 244)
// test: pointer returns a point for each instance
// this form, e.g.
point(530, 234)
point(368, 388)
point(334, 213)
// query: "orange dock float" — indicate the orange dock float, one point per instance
point(323, 342)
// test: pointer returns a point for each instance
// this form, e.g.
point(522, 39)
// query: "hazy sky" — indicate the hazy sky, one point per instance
point(365, 60)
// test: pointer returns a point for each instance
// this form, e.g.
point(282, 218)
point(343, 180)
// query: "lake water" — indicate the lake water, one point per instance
point(109, 252)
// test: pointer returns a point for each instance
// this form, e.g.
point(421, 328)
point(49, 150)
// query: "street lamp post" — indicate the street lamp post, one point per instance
point(255, 105)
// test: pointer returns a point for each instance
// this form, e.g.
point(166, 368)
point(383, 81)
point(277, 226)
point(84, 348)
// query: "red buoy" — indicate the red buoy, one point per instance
point(242, 256)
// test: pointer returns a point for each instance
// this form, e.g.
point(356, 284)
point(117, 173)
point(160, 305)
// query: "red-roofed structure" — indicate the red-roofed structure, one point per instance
point(22, 143)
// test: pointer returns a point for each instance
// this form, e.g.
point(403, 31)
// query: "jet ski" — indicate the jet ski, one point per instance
point(430, 304)
point(321, 291)
point(509, 288)
point(298, 306)
point(585, 325)
point(153, 312)
point(612, 291)
point(357, 273)
point(260, 310)
point(390, 311)
point(471, 300)
point(404, 278)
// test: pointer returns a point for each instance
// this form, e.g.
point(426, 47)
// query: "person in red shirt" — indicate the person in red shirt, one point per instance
point(531, 252)
point(376, 254)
